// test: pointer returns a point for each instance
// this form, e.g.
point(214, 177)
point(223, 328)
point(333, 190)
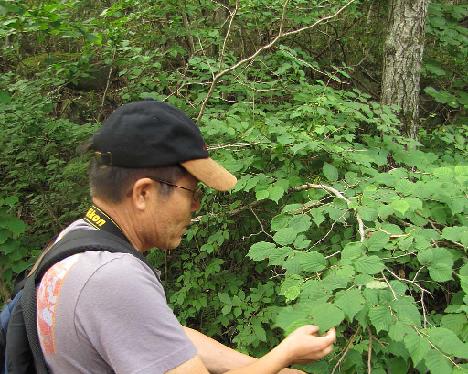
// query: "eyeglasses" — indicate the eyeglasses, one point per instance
point(197, 193)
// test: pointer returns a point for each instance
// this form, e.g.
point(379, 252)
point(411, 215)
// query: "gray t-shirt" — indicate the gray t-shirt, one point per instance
point(102, 312)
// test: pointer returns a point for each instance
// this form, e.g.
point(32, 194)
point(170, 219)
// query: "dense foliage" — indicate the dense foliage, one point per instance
point(337, 220)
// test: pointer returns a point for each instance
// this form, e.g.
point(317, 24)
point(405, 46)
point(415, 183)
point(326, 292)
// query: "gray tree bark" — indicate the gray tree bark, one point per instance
point(403, 51)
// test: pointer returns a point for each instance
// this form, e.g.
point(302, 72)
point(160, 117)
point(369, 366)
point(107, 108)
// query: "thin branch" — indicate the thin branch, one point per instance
point(348, 346)
point(107, 85)
point(369, 352)
point(261, 224)
point(231, 18)
point(339, 195)
point(234, 145)
point(389, 286)
point(279, 36)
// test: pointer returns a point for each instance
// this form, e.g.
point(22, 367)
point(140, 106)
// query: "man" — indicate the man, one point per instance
point(102, 312)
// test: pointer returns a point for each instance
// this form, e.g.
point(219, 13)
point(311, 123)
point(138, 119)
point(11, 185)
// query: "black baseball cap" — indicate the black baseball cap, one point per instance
point(149, 133)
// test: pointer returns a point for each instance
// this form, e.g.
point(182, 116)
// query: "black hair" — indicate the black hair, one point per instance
point(112, 183)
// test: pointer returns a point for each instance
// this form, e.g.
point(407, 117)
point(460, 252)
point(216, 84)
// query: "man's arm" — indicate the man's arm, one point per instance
point(218, 358)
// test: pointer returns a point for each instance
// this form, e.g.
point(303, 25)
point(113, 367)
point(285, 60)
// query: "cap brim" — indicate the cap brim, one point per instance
point(209, 172)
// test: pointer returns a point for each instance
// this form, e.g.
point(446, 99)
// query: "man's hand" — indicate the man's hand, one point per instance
point(291, 371)
point(303, 345)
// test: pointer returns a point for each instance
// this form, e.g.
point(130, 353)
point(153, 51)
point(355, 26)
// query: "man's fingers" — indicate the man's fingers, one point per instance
point(311, 329)
point(327, 350)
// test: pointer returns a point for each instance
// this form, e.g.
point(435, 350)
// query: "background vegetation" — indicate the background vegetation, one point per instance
point(339, 218)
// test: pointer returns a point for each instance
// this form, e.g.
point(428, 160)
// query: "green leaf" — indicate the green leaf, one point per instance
point(376, 285)
point(384, 211)
point(407, 311)
point(259, 331)
point(317, 216)
point(224, 298)
point(326, 316)
point(456, 234)
point(13, 224)
point(291, 287)
point(261, 250)
point(339, 277)
point(330, 172)
point(437, 363)
point(285, 236)
point(262, 194)
point(311, 261)
point(454, 322)
point(352, 251)
point(300, 223)
point(448, 342)
point(377, 241)
point(276, 193)
point(400, 206)
point(417, 346)
point(439, 262)
point(280, 221)
point(397, 331)
point(350, 302)
point(380, 317)
point(369, 265)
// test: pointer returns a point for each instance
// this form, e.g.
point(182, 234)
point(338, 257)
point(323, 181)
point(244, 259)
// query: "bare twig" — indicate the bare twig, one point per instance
point(389, 286)
point(261, 224)
point(339, 195)
point(281, 34)
point(369, 352)
point(107, 85)
point(234, 145)
point(348, 346)
point(228, 32)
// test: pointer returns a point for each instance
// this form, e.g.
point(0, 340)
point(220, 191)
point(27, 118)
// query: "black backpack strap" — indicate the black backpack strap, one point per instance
point(74, 242)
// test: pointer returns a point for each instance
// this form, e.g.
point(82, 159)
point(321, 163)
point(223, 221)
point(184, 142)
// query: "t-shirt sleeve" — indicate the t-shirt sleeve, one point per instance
point(122, 312)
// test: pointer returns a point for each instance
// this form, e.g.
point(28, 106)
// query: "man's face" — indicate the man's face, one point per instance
point(168, 218)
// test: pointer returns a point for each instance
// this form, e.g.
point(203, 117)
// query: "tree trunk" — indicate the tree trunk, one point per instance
point(403, 53)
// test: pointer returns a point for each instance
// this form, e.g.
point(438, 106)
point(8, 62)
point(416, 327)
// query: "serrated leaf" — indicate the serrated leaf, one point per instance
point(350, 302)
point(285, 236)
point(439, 261)
point(259, 331)
point(291, 317)
point(310, 261)
point(376, 285)
point(456, 234)
point(407, 311)
point(384, 211)
point(380, 317)
point(261, 250)
point(317, 216)
point(315, 290)
point(326, 316)
point(291, 287)
point(377, 241)
point(401, 206)
point(280, 221)
point(262, 194)
point(224, 298)
point(300, 223)
point(352, 251)
point(276, 193)
point(330, 172)
point(397, 331)
point(13, 224)
point(448, 342)
point(339, 277)
point(437, 363)
point(369, 265)
point(416, 346)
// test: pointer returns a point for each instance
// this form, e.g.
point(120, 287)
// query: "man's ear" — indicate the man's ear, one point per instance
point(142, 192)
